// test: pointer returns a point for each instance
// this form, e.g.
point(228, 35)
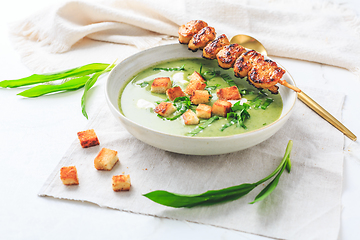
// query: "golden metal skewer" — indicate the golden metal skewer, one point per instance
point(252, 43)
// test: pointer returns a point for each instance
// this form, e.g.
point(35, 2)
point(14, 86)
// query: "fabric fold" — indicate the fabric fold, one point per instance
point(315, 31)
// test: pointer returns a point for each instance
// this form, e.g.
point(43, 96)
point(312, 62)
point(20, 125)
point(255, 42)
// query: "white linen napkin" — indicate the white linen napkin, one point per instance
point(309, 30)
point(305, 205)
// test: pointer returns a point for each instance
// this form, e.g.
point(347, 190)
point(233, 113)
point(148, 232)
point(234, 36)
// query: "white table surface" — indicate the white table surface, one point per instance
point(35, 133)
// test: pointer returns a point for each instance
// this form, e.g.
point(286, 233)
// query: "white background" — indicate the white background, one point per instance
point(35, 133)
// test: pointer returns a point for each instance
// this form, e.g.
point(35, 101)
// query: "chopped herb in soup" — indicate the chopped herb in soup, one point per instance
point(194, 97)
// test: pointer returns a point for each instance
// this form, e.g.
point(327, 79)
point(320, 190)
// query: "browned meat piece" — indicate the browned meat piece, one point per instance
point(187, 31)
point(215, 46)
point(202, 38)
point(265, 74)
point(228, 54)
point(245, 62)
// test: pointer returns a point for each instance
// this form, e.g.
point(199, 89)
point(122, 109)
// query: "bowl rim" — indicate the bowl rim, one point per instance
point(240, 135)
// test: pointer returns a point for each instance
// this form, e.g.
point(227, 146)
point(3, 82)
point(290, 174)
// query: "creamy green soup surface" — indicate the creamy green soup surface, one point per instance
point(136, 101)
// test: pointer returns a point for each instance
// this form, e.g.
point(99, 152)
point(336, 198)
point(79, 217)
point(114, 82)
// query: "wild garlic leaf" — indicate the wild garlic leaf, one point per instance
point(212, 197)
point(47, 77)
point(89, 83)
point(40, 90)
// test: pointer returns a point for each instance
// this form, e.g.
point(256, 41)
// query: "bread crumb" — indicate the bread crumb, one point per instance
point(106, 159)
point(121, 183)
point(68, 175)
point(88, 138)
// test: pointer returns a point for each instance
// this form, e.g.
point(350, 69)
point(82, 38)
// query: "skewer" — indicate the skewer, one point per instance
point(269, 83)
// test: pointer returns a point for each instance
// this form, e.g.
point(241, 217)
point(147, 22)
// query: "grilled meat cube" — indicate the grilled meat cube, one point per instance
point(213, 47)
point(202, 38)
point(227, 55)
point(245, 62)
point(265, 74)
point(187, 31)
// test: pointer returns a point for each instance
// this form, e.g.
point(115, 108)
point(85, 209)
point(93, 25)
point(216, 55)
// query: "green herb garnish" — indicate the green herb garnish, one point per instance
point(40, 90)
point(203, 126)
point(214, 87)
point(223, 195)
point(237, 116)
point(228, 79)
point(266, 104)
point(182, 104)
point(47, 77)
point(89, 83)
point(143, 84)
point(79, 77)
point(182, 68)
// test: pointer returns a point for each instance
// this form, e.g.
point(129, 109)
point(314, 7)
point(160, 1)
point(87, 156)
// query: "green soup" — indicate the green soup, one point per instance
point(136, 101)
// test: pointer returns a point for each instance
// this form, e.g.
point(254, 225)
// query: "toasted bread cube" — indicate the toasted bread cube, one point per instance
point(203, 111)
point(68, 175)
point(229, 93)
point(106, 159)
point(175, 92)
point(165, 109)
point(190, 118)
point(88, 138)
point(200, 96)
point(196, 76)
point(161, 84)
point(194, 85)
point(121, 183)
point(221, 108)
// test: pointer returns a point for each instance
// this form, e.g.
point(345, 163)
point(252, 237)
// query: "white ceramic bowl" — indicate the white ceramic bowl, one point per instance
point(120, 75)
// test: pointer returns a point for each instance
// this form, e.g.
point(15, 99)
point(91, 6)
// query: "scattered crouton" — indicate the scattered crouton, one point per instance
point(121, 183)
point(229, 93)
point(203, 111)
point(194, 85)
point(200, 96)
point(106, 159)
point(88, 138)
point(190, 118)
point(175, 92)
point(165, 109)
point(161, 84)
point(196, 77)
point(221, 108)
point(68, 175)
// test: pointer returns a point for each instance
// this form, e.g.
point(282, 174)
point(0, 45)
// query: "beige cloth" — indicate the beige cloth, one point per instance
point(305, 205)
point(308, 30)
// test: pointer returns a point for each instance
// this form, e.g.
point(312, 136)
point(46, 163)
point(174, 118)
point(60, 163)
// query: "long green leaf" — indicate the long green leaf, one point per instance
point(207, 198)
point(89, 83)
point(40, 90)
point(47, 77)
point(269, 188)
point(223, 195)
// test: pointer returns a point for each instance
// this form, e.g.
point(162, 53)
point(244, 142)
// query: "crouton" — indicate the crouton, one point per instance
point(106, 159)
point(203, 111)
point(68, 175)
point(221, 108)
point(88, 138)
point(161, 84)
point(229, 93)
point(165, 109)
point(190, 118)
point(196, 76)
point(194, 85)
point(200, 96)
point(121, 183)
point(175, 92)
